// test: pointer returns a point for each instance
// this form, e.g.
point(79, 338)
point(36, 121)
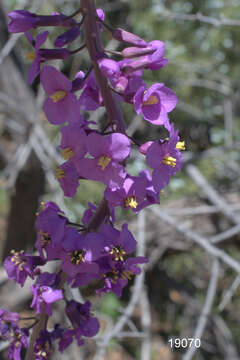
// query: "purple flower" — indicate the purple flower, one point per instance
point(22, 20)
point(78, 82)
point(129, 88)
point(164, 158)
point(67, 176)
point(117, 274)
point(107, 152)
point(87, 215)
point(118, 243)
point(90, 98)
point(80, 252)
point(73, 142)
point(20, 265)
point(34, 55)
point(50, 224)
point(44, 296)
point(155, 103)
point(109, 68)
point(80, 317)
point(19, 339)
point(61, 104)
point(129, 38)
point(82, 321)
point(132, 194)
point(8, 316)
point(150, 57)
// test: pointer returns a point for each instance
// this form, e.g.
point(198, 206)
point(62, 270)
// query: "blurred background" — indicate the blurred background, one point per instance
point(190, 288)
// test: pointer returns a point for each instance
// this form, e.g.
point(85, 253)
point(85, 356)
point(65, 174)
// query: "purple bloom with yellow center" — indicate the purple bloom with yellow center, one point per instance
point(67, 176)
point(20, 265)
point(39, 56)
point(43, 346)
point(107, 153)
point(80, 252)
point(34, 56)
point(18, 340)
point(7, 320)
point(118, 273)
point(118, 243)
point(164, 157)
point(73, 142)
point(129, 195)
point(155, 103)
point(61, 105)
point(50, 224)
point(136, 193)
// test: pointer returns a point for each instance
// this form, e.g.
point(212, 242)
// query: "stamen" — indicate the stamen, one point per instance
point(30, 55)
point(77, 256)
point(103, 161)
point(58, 95)
point(152, 100)
point(67, 153)
point(180, 145)
point(17, 260)
point(169, 160)
point(60, 173)
point(131, 202)
point(45, 238)
point(118, 253)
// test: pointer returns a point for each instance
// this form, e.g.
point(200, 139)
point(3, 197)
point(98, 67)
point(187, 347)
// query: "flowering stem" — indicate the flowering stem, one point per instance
point(35, 334)
point(99, 216)
point(96, 51)
point(41, 324)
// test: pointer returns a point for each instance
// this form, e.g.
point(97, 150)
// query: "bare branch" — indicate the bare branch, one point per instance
point(200, 240)
point(202, 321)
point(202, 18)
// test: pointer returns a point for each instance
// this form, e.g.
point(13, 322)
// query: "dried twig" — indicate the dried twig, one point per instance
point(202, 321)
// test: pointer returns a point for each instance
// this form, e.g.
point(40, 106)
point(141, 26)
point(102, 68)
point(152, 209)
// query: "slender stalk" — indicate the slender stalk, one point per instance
point(96, 51)
point(35, 334)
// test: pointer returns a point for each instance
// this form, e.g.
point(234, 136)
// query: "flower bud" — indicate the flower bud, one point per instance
point(127, 37)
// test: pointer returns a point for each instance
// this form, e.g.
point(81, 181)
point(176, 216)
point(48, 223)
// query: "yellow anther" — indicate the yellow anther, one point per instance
point(45, 238)
point(103, 161)
point(60, 173)
point(131, 202)
point(118, 253)
point(180, 145)
point(126, 274)
point(30, 55)
point(152, 100)
point(17, 260)
point(77, 257)
point(58, 95)
point(169, 160)
point(67, 153)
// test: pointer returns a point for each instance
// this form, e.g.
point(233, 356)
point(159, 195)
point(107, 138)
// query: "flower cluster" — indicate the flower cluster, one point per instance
point(95, 251)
